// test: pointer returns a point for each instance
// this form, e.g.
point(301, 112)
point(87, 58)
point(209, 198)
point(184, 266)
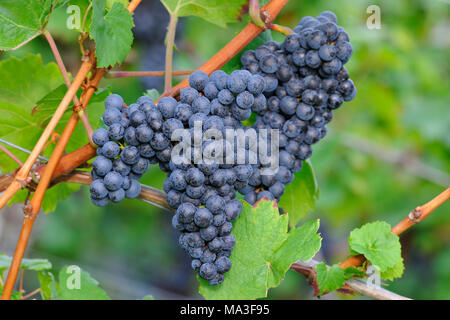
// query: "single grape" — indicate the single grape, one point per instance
point(188, 95)
point(130, 136)
point(154, 119)
point(177, 180)
point(201, 105)
point(130, 155)
point(194, 177)
point(305, 111)
point(256, 84)
point(235, 83)
point(116, 131)
point(98, 189)
point(114, 101)
point(144, 133)
point(121, 167)
point(167, 106)
point(102, 165)
point(211, 90)
point(159, 141)
point(208, 233)
point(268, 63)
point(141, 166)
point(111, 115)
point(117, 195)
point(312, 59)
point(100, 137)
point(327, 52)
point(225, 229)
point(100, 202)
point(186, 212)
point(219, 77)
point(113, 181)
point(170, 125)
point(134, 190)
point(215, 245)
point(203, 217)
point(292, 42)
point(208, 271)
point(198, 80)
point(223, 264)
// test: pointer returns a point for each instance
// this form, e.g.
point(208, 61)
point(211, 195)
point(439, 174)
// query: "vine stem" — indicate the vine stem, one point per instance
point(35, 203)
point(254, 11)
point(123, 74)
point(11, 155)
point(308, 269)
point(281, 29)
point(29, 295)
point(62, 68)
point(417, 215)
point(239, 42)
point(85, 16)
point(169, 51)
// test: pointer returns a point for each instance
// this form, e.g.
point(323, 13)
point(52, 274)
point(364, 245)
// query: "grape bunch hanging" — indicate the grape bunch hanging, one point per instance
point(293, 87)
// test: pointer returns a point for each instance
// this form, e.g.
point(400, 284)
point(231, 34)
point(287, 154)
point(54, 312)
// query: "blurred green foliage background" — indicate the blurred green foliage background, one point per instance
point(387, 151)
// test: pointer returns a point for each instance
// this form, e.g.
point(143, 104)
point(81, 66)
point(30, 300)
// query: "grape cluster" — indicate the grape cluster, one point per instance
point(131, 142)
point(203, 192)
point(305, 81)
point(292, 87)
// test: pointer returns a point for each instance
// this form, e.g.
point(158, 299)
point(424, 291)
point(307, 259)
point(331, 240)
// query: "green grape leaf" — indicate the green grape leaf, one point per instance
point(22, 21)
point(47, 284)
point(394, 272)
point(76, 284)
point(329, 278)
point(263, 253)
point(300, 195)
point(235, 62)
point(27, 264)
point(219, 12)
point(377, 243)
point(111, 33)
